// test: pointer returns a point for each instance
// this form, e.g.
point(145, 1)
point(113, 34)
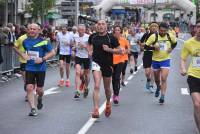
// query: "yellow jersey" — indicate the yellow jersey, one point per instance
point(192, 48)
point(163, 43)
point(19, 44)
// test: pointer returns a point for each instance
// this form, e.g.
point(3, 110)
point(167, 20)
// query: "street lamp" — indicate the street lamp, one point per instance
point(154, 12)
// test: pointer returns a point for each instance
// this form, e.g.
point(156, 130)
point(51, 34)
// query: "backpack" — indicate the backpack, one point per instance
point(168, 37)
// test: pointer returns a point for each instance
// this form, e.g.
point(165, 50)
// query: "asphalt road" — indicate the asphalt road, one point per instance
point(137, 113)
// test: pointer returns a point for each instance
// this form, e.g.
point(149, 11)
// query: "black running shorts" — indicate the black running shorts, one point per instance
point(147, 59)
point(194, 84)
point(66, 58)
point(85, 62)
point(33, 77)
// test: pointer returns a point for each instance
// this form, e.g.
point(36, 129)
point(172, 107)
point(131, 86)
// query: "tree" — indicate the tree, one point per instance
point(40, 8)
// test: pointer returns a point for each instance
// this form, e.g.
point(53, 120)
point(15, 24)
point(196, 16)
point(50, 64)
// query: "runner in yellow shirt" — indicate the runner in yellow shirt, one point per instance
point(192, 48)
point(162, 44)
point(18, 47)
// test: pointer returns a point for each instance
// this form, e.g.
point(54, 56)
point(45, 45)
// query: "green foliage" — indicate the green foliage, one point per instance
point(38, 6)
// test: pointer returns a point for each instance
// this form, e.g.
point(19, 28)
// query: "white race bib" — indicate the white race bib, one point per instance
point(196, 62)
point(163, 46)
point(33, 54)
point(95, 66)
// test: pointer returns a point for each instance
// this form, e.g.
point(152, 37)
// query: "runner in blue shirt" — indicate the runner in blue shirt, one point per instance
point(37, 51)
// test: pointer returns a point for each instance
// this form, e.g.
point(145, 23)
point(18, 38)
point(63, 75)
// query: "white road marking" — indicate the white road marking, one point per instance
point(51, 91)
point(130, 77)
point(91, 121)
point(126, 82)
point(184, 91)
point(140, 66)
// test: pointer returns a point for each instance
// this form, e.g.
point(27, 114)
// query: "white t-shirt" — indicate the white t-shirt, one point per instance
point(139, 35)
point(65, 42)
point(81, 52)
point(73, 35)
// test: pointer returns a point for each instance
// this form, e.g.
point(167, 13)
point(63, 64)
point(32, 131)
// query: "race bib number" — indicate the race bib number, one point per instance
point(95, 67)
point(196, 62)
point(33, 54)
point(163, 46)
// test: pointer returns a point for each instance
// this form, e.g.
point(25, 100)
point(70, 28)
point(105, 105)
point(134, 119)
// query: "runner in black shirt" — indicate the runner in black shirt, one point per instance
point(147, 57)
point(101, 46)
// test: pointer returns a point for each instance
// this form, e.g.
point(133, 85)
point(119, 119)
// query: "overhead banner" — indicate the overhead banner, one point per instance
point(143, 2)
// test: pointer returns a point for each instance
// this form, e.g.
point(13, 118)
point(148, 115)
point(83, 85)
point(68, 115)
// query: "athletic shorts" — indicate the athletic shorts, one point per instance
point(22, 67)
point(135, 54)
point(66, 58)
point(147, 59)
point(194, 84)
point(106, 70)
point(161, 64)
point(84, 62)
point(33, 77)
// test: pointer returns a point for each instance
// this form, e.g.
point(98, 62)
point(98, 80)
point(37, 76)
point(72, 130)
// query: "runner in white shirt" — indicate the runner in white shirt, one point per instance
point(81, 60)
point(64, 43)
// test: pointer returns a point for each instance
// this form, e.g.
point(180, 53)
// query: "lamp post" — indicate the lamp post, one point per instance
point(76, 12)
point(42, 13)
point(154, 11)
point(6, 13)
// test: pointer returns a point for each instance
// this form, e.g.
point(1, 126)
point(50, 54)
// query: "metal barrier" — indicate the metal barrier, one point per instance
point(15, 60)
point(7, 65)
point(11, 62)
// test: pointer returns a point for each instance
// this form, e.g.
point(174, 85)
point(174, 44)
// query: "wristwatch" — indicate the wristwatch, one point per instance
point(43, 59)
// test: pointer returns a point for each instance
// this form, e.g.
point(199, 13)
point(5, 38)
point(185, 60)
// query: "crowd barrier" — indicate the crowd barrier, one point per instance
point(11, 61)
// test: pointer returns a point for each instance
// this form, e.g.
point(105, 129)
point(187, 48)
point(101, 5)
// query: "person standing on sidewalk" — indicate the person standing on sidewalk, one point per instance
point(101, 47)
point(192, 48)
point(37, 51)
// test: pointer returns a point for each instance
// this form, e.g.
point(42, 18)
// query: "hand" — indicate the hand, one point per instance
point(169, 50)
point(157, 47)
point(25, 56)
point(90, 53)
point(38, 60)
point(106, 48)
point(81, 46)
point(122, 51)
point(183, 72)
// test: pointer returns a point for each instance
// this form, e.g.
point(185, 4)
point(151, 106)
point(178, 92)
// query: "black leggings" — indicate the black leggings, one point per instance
point(124, 67)
point(117, 69)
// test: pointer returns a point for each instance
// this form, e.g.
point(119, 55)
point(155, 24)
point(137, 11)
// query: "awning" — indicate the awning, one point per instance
point(53, 15)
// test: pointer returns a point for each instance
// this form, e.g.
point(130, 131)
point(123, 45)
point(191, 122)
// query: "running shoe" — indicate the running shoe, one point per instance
point(61, 83)
point(136, 68)
point(81, 87)
point(123, 84)
point(162, 100)
point(131, 71)
point(33, 112)
point(39, 105)
point(116, 99)
point(67, 83)
point(157, 93)
point(148, 85)
point(108, 109)
point(95, 113)
point(85, 93)
point(77, 94)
